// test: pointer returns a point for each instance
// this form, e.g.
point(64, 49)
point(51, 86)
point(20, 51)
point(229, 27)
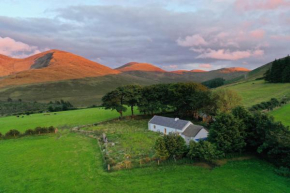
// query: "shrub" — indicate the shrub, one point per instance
point(12, 133)
point(29, 132)
point(1, 135)
point(175, 145)
point(203, 150)
point(51, 129)
point(283, 171)
point(160, 148)
point(40, 130)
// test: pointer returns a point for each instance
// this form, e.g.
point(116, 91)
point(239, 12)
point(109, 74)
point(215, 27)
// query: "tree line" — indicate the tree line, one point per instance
point(20, 107)
point(235, 132)
point(279, 72)
point(14, 133)
point(214, 83)
point(184, 99)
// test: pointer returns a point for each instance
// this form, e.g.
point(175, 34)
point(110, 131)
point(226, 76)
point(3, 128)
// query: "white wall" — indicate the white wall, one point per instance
point(201, 135)
point(159, 128)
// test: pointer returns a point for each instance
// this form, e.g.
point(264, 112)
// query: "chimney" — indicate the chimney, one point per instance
point(176, 119)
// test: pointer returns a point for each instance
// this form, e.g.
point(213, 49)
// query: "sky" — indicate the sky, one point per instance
point(171, 34)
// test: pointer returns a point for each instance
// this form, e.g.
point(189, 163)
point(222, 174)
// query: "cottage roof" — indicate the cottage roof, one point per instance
point(192, 130)
point(169, 122)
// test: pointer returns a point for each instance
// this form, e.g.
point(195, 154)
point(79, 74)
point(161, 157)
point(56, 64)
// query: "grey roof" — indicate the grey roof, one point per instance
point(192, 130)
point(169, 122)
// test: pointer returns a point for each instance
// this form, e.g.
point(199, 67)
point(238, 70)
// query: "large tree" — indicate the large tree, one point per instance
point(225, 100)
point(154, 99)
point(114, 100)
point(228, 133)
point(132, 95)
point(188, 98)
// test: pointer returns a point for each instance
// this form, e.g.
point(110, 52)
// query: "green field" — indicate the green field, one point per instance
point(254, 92)
point(69, 162)
point(282, 114)
point(66, 118)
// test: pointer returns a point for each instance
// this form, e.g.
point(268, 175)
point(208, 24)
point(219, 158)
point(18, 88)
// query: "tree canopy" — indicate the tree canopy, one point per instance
point(279, 71)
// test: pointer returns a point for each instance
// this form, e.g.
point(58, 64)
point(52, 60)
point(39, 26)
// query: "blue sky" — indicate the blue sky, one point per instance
point(172, 34)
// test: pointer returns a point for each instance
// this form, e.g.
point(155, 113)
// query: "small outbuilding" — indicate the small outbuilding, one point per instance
point(185, 129)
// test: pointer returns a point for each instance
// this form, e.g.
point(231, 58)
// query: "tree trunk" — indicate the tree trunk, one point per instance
point(121, 114)
point(132, 110)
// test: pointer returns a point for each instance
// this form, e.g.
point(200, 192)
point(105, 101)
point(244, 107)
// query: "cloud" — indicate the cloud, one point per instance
point(230, 55)
point(249, 5)
point(13, 48)
point(259, 33)
point(189, 41)
point(281, 37)
point(162, 35)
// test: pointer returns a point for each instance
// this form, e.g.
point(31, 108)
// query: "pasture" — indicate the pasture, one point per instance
point(65, 118)
point(254, 92)
point(282, 114)
point(69, 162)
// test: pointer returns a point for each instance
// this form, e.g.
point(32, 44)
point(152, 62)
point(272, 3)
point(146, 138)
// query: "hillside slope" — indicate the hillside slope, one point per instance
point(80, 92)
point(257, 91)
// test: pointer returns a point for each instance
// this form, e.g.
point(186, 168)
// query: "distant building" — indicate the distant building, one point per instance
point(185, 129)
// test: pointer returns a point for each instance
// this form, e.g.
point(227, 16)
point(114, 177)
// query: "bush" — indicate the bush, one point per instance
point(29, 132)
point(160, 148)
point(1, 135)
point(283, 171)
point(12, 133)
point(175, 145)
point(51, 129)
point(204, 151)
point(40, 130)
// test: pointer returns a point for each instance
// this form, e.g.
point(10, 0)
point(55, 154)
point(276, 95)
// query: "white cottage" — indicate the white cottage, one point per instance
point(185, 129)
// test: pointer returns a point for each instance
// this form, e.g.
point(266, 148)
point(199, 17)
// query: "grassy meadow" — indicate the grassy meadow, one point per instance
point(65, 118)
point(69, 162)
point(282, 114)
point(254, 92)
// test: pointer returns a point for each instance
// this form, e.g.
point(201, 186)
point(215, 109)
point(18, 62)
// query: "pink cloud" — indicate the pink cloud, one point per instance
point(281, 37)
point(229, 55)
point(248, 5)
point(207, 66)
point(10, 47)
point(258, 34)
point(194, 40)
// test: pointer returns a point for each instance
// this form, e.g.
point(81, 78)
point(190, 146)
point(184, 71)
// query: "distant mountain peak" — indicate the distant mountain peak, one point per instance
point(135, 66)
point(197, 70)
point(179, 71)
point(233, 69)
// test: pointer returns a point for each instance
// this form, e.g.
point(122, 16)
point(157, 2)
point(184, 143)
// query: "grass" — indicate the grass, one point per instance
point(282, 114)
point(69, 162)
point(254, 92)
point(68, 118)
point(129, 142)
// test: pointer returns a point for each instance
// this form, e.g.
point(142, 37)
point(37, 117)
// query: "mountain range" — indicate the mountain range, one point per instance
point(55, 74)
